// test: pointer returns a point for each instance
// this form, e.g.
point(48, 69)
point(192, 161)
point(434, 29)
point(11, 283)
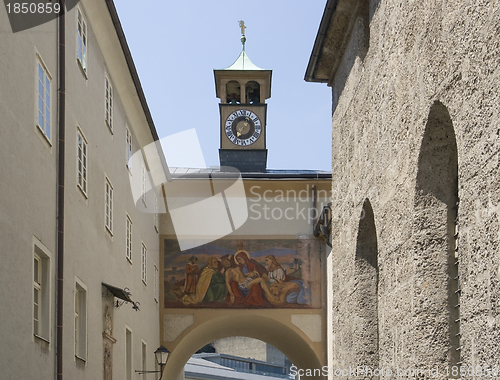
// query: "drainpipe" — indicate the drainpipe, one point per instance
point(60, 190)
point(315, 199)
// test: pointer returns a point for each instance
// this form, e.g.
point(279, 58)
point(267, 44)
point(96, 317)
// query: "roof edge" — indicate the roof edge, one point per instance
point(330, 7)
point(137, 83)
point(131, 66)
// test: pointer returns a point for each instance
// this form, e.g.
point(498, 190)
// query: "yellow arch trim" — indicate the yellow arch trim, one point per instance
point(269, 330)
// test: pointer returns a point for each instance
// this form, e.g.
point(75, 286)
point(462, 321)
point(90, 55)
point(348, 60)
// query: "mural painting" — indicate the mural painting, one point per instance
point(252, 273)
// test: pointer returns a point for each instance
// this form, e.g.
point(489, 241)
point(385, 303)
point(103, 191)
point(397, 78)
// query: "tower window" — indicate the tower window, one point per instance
point(233, 92)
point(252, 92)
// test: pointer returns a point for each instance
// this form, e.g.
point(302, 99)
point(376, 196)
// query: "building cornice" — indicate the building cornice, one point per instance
point(332, 39)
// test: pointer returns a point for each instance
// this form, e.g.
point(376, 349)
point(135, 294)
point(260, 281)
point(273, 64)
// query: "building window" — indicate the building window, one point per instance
point(82, 161)
point(80, 321)
point(108, 218)
point(144, 356)
point(143, 182)
point(43, 99)
point(129, 148)
point(41, 293)
point(82, 41)
point(128, 353)
point(129, 239)
point(37, 297)
point(156, 280)
point(144, 255)
point(109, 103)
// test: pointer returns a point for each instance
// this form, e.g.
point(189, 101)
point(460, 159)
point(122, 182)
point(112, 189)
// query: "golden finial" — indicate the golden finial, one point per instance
point(243, 39)
point(242, 26)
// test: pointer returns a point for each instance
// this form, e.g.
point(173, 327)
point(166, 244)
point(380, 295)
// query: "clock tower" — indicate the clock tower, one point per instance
point(242, 89)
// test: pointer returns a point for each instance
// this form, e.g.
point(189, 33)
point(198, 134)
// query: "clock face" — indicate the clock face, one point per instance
point(243, 127)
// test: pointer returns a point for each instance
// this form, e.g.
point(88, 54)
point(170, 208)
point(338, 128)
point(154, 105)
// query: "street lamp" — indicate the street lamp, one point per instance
point(161, 356)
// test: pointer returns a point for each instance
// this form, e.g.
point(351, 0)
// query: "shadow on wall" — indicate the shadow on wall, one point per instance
point(436, 206)
point(366, 334)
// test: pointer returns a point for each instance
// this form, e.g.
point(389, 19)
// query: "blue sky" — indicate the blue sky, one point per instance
point(176, 45)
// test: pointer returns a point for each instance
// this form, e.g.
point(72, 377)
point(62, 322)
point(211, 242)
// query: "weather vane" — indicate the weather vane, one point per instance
point(243, 39)
point(242, 26)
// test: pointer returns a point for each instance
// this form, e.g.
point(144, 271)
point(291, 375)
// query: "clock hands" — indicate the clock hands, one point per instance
point(240, 129)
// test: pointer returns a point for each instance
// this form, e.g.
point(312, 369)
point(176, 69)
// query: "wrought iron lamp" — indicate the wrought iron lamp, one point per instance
point(161, 355)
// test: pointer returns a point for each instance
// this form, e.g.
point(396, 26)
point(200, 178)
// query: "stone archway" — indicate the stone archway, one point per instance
point(293, 344)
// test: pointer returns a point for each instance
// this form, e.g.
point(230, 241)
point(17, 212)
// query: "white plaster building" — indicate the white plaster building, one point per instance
point(74, 75)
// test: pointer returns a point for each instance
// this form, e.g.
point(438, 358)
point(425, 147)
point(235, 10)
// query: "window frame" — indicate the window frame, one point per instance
point(42, 328)
point(129, 147)
point(128, 238)
point(82, 43)
point(81, 320)
point(156, 283)
point(37, 289)
point(46, 80)
point(144, 184)
point(144, 351)
point(144, 262)
point(83, 186)
point(156, 214)
point(129, 352)
point(108, 102)
point(108, 206)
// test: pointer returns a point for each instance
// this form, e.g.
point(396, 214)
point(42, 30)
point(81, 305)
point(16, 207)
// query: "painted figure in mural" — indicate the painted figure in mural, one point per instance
point(245, 282)
point(191, 276)
point(292, 291)
point(216, 289)
point(252, 295)
point(247, 265)
point(275, 272)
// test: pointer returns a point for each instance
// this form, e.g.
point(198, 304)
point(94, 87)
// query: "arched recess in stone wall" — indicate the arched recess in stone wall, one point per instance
point(366, 333)
point(266, 329)
point(436, 275)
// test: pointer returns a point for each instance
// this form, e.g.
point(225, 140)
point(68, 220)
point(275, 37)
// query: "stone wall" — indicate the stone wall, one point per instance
point(420, 107)
point(242, 346)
